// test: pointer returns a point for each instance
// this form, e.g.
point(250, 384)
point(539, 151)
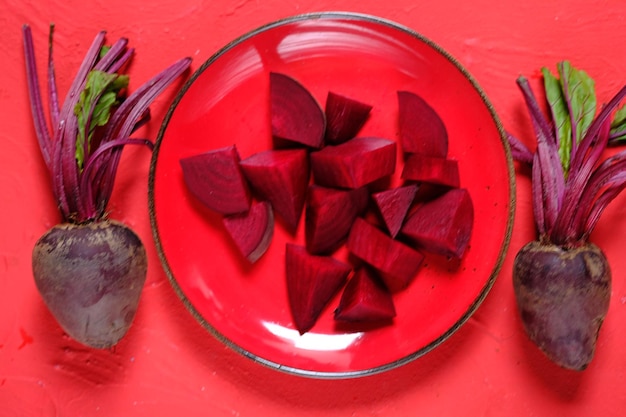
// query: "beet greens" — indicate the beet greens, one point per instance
point(83, 148)
point(562, 281)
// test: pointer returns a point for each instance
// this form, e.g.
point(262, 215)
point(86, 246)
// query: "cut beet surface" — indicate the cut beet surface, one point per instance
point(344, 117)
point(354, 163)
point(329, 215)
point(442, 226)
point(216, 180)
point(396, 262)
point(295, 114)
point(365, 298)
point(252, 231)
point(431, 170)
point(311, 283)
point(393, 205)
point(282, 178)
point(420, 128)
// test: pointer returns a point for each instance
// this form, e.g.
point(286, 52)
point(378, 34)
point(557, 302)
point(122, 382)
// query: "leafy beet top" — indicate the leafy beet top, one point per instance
point(82, 142)
point(570, 186)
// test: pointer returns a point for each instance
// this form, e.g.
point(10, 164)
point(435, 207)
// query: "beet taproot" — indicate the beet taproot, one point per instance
point(253, 230)
point(282, 178)
point(365, 298)
point(420, 128)
point(311, 283)
point(355, 163)
point(91, 276)
point(216, 180)
point(396, 262)
point(344, 117)
point(329, 215)
point(578, 281)
point(295, 114)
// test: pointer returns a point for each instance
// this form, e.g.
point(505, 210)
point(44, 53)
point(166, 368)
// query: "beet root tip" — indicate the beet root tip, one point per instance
point(563, 297)
point(91, 276)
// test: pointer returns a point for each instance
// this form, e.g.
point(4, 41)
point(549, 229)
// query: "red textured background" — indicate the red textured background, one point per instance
point(169, 365)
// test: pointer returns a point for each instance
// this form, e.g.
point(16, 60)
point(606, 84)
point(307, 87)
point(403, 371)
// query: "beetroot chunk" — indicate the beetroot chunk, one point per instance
point(432, 170)
point(329, 216)
point(344, 117)
point(442, 226)
point(421, 129)
point(252, 231)
point(394, 204)
point(396, 262)
point(365, 298)
point(216, 180)
point(563, 297)
point(311, 282)
point(354, 163)
point(282, 178)
point(295, 114)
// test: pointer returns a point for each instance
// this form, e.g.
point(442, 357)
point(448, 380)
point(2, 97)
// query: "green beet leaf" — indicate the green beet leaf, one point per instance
point(618, 126)
point(572, 101)
point(94, 107)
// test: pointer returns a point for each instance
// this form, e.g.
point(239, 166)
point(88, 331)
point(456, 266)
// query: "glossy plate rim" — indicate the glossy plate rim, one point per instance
point(305, 372)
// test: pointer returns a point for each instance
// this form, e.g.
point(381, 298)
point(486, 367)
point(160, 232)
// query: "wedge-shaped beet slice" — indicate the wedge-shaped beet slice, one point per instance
point(396, 262)
point(432, 170)
point(295, 114)
point(280, 177)
point(354, 163)
point(329, 215)
point(442, 226)
point(253, 230)
point(393, 205)
point(216, 180)
point(365, 298)
point(344, 117)
point(420, 128)
point(311, 282)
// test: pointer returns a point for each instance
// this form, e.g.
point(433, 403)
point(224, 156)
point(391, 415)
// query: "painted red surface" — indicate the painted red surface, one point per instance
point(168, 364)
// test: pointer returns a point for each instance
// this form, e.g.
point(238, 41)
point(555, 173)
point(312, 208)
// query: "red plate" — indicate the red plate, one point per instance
point(226, 102)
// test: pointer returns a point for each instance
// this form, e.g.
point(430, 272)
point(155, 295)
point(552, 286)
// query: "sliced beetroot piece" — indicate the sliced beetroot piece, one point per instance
point(252, 231)
point(393, 205)
point(282, 178)
point(431, 170)
point(365, 298)
point(311, 282)
point(354, 163)
point(442, 226)
point(344, 117)
point(421, 130)
point(396, 262)
point(329, 215)
point(216, 180)
point(295, 114)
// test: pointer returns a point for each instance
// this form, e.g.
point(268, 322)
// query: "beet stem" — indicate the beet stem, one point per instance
point(36, 104)
point(53, 96)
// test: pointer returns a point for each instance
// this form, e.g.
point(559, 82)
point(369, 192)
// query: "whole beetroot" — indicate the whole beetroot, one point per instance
point(562, 282)
point(90, 270)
